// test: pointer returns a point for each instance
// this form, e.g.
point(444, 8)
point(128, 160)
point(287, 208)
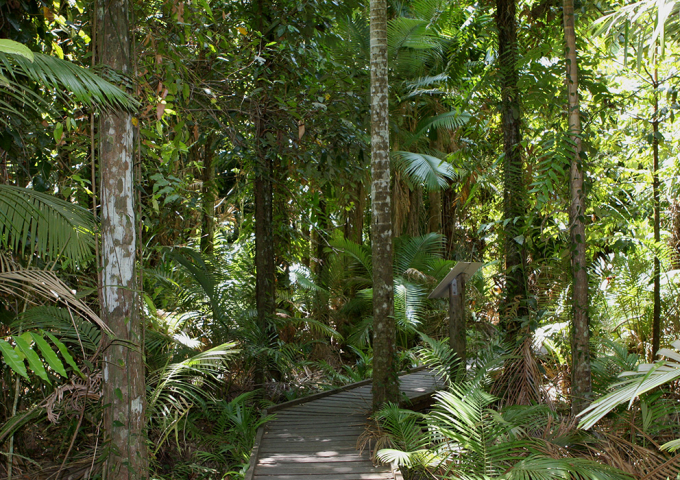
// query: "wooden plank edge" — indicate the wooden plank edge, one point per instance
point(255, 451)
point(344, 388)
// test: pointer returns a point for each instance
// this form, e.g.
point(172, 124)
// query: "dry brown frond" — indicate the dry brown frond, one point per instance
point(520, 382)
point(642, 462)
point(71, 395)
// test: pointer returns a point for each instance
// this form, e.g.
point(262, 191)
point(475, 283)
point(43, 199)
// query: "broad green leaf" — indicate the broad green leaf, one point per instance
point(48, 354)
point(64, 353)
point(12, 359)
point(33, 359)
point(15, 48)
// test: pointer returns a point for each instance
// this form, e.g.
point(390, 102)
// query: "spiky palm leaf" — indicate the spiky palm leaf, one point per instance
point(175, 388)
point(65, 79)
point(647, 377)
point(470, 440)
point(43, 224)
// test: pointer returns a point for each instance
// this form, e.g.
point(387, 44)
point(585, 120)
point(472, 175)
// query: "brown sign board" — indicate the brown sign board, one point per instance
point(466, 268)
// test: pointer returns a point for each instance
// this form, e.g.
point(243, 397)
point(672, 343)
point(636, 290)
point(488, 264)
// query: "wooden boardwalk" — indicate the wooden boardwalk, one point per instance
point(315, 438)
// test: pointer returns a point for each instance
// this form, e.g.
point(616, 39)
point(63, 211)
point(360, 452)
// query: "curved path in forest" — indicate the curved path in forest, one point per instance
point(316, 438)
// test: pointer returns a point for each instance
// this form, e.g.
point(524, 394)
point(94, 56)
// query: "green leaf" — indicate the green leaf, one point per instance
point(64, 353)
point(58, 132)
point(48, 354)
point(12, 359)
point(15, 48)
point(33, 359)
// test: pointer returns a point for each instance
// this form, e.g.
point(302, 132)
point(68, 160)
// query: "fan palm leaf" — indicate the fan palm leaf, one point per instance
point(419, 168)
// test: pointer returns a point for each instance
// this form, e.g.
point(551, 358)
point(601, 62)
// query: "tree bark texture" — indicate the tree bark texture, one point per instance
point(385, 380)
point(581, 382)
point(208, 197)
point(656, 315)
point(449, 219)
point(354, 221)
point(265, 270)
point(123, 364)
point(514, 190)
point(457, 325)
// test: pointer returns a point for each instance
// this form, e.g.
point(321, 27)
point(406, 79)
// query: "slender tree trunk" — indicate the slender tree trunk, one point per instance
point(123, 364)
point(208, 197)
point(514, 190)
point(415, 209)
point(265, 270)
point(656, 320)
point(354, 220)
point(385, 380)
point(581, 383)
point(449, 219)
point(434, 217)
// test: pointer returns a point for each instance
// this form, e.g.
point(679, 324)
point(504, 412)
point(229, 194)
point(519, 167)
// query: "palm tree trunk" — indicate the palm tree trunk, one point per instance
point(123, 366)
point(514, 190)
point(385, 380)
point(581, 383)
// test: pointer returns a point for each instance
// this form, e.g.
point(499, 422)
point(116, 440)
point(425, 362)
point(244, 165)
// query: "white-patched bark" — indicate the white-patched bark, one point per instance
point(123, 366)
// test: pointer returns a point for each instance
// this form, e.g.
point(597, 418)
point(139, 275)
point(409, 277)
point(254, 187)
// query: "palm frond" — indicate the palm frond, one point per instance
point(647, 377)
point(537, 467)
point(25, 283)
point(41, 223)
point(417, 252)
point(438, 356)
point(448, 121)
point(419, 168)
point(62, 77)
point(361, 254)
point(70, 330)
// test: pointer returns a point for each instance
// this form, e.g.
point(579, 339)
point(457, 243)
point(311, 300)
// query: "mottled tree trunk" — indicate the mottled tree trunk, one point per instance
point(208, 197)
point(123, 364)
point(581, 383)
point(514, 190)
point(385, 380)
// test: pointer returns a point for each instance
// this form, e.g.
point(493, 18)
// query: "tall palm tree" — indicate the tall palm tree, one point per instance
point(385, 380)
point(581, 382)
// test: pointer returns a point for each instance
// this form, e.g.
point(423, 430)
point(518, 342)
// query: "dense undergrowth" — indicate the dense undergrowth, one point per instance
point(203, 409)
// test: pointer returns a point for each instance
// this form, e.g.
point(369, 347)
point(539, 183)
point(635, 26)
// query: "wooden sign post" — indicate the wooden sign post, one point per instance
point(453, 285)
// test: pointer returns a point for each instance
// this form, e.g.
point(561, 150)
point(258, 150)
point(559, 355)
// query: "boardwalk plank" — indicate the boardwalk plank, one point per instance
point(317, 439)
